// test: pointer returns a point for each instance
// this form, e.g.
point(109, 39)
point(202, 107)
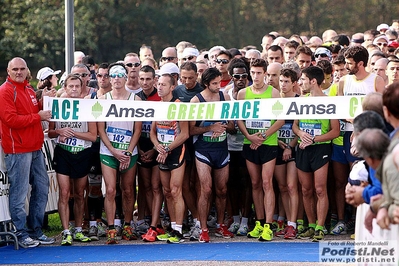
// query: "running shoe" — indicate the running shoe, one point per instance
point(309, 233)
point(333, 223)
point(234, 227)
point(274, 226)
point(111, 237)
point(66, 239)
point(175, 238)
point(45, 240)
point(350, 225)
point(102, 229)
point(204, 236)
point(339, 229)
point(142, 228)
point(243, 230)
point(150, 236)
point(195, 233)
point(190, 233)
point(280, 225)
point(160, 231)
point(290, 232)
point(267, 233)
point(281, 232)
point(318, 236)
point(165, 222)
point(79, 236)
point(119, 230)
point(93, 233)
point(163, 237)
point(301, 229)
point(212, 222)
point(222, 231)
point(128, 233)
point(257, 231)
point(28, 243)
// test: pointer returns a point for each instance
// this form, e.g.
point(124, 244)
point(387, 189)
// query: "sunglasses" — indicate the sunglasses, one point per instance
point(222, 61)
point(240, 76)
point(133, 64)
point(320, 55)
point(382, 44)
point(188, 58)
point(102, 76)
point(169, 58)
point(119, 75)
point(81, 75)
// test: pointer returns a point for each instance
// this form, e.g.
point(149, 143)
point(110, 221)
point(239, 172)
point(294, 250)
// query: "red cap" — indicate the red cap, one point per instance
point(394, 44)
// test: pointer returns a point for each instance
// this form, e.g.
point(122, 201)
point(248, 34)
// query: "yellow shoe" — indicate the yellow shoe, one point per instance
point(267, 234)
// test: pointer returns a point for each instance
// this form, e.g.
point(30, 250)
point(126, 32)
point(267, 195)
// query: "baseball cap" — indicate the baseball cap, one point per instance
point(45, 72)
point(379, 37)
point(169, 68)
point(190, 51)
point(394, 44)
point(382, 26)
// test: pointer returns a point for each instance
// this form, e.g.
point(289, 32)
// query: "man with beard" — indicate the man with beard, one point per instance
point(358, 82)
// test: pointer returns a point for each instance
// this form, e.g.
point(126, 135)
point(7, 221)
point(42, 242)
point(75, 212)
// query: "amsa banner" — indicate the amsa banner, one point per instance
point(339, 107)
point(52, 203)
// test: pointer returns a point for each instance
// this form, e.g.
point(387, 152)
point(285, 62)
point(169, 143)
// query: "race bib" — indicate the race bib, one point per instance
point(285, 133)
point(145, 129)
point(207, 136)
point(313, 129)
point(166, 135)
point(255, 126)
point(119, 138)
point(73, 144)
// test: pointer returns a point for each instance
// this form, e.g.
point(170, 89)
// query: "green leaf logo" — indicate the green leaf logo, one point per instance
point(277, 108)
point(97, 110)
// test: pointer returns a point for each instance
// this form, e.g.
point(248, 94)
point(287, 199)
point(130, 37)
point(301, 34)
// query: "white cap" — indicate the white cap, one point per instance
point(190, 51)
point(359, 172)
point(169, 68)
point(45, 72)
point(382, 26)
point(379, 37)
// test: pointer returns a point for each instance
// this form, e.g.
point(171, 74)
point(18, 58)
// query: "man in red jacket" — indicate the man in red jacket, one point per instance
point(22, 140)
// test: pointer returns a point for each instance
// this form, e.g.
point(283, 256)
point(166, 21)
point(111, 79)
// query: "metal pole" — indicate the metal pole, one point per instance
point(69, 36)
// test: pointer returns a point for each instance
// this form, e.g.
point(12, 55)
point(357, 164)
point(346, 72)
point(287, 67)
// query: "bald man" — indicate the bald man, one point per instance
point(22, 141)
point(380, 68)
point(273, 75)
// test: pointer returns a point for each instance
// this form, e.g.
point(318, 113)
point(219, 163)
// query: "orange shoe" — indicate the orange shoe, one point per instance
point(111, 237)
point(150, 236)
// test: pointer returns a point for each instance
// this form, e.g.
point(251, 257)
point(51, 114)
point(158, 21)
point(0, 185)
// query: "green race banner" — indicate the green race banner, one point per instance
point(339, 107)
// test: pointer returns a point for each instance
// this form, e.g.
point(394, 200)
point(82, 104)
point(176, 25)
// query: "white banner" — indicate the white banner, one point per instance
point(339, 107)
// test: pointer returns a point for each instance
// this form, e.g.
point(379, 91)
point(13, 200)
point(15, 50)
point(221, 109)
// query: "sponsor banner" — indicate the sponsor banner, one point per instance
point(52, 203)
point(339, 107)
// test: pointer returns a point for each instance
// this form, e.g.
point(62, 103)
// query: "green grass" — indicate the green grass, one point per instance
point(54, 225)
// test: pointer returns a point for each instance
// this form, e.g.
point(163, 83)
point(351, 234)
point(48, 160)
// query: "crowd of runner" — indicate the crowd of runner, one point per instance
point(174, 180)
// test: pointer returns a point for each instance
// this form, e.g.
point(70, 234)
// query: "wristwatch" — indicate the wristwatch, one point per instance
point(127, 153)
point(313, 140)
point(167, 149)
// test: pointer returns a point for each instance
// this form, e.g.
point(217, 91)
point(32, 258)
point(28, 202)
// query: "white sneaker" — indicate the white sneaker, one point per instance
point(339, 229)
point(243, 230)
point(28, 243)
point(234, 228)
